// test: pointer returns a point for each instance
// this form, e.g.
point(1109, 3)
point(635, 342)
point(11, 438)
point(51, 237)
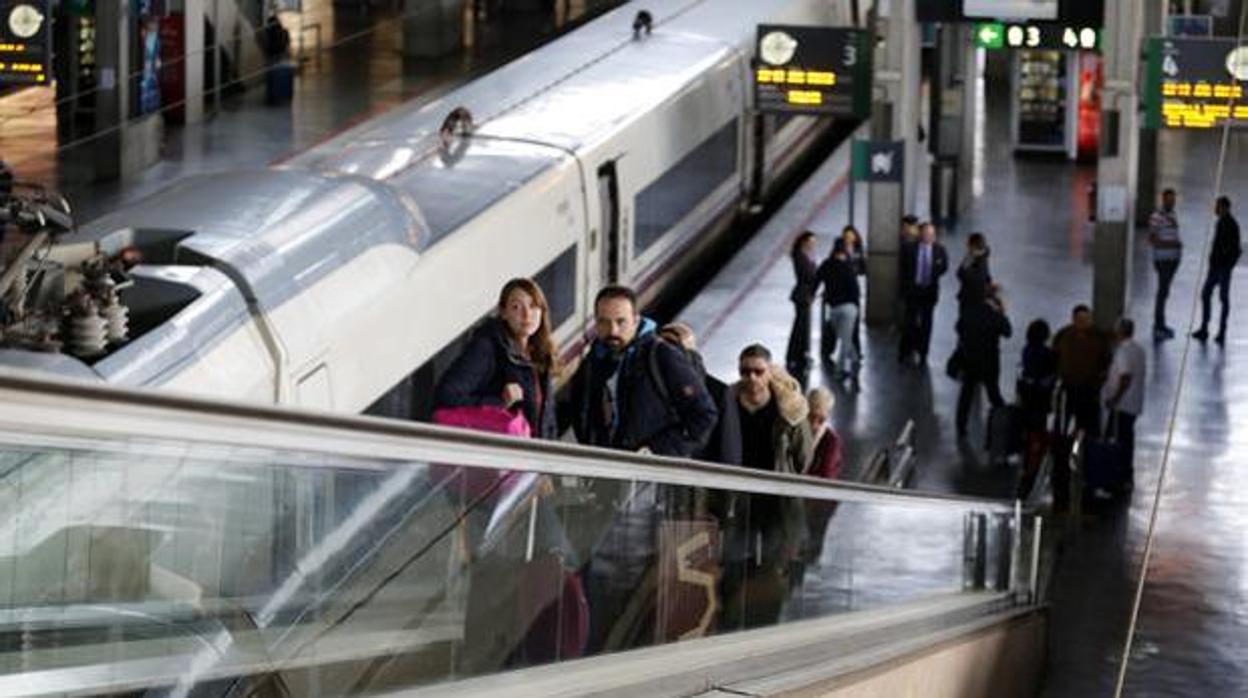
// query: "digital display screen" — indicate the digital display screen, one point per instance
point(1195, 83)
point(1037, 35)
point(1011, 9)
point(25, 47)
point(812, 70)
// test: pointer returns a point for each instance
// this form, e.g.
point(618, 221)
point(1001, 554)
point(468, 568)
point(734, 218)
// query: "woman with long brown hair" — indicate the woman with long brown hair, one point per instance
point(510, 361)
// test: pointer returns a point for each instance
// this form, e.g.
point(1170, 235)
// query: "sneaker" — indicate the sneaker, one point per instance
point(1169, 331)
point(1160, 335)
point(1200, 335)
point(1220, 339)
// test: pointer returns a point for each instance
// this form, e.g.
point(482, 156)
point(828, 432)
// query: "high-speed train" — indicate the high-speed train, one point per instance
point(336, 279)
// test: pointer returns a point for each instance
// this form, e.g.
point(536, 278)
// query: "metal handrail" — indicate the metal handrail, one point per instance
point(89, 415)
point(902, 457)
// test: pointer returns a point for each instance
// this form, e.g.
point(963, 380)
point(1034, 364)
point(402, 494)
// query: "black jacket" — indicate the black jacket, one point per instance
point(975, 279)
point(840, 281)
point(675, 419)
point(807, 279)
point(1226, 250)
point(1036, 384)
point(979, 335)
point(489, 362)
point(910, 268)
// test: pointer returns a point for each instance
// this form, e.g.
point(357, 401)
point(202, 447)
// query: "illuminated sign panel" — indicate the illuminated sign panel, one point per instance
point(1037, 35)
point(824, 71)
point(1077, 12)
point(25, 42)
point(1195, 83)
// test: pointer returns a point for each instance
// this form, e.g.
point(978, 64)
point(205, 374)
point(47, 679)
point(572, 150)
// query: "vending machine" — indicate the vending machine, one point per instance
point(1045, 104)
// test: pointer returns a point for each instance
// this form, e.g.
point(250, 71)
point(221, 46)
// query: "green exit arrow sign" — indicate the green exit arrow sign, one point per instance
point(989, 35)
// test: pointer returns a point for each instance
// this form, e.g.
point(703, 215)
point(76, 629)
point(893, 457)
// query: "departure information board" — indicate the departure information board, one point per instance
point(25, 42)
point(1037, 35)
point(1195, 83)
point(824, 71)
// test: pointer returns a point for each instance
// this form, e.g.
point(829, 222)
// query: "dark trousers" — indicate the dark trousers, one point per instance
point(1084, 406)
point(971, 380)
point(1219, 277)
point(916, 330)
point(1122, 425)
point(1165, 277)
point(799, 338)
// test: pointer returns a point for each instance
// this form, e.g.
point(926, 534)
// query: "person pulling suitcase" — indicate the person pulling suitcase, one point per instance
point(1110, 468)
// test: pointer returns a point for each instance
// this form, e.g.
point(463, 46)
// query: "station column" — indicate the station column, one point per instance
point(895, 116)
point(952, 115)
point(1117, 170)
point(1149, 191)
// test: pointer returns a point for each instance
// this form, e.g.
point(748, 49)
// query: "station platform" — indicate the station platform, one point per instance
point(1034, 214)
point(355, 72)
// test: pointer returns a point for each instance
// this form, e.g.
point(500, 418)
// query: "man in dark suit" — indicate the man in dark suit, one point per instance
point(922, 264)
point(1222, 260)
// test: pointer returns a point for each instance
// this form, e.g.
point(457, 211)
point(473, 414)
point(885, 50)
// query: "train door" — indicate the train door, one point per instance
point(609, 224)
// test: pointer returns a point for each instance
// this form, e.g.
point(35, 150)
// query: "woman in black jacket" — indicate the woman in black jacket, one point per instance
point(510, 361)
point(797, 357)
point(840, 301)
point(980, 330)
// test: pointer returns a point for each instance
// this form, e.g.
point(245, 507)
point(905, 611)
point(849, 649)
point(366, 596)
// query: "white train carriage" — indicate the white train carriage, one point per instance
point(329, 281)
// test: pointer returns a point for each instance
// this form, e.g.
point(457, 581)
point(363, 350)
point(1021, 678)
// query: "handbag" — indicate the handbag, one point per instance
point(954, 366)
point(484, 418)
point(477, 483)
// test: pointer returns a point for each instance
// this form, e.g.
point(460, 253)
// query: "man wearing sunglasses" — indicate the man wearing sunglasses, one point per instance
point(765, 535)
point(774, 432)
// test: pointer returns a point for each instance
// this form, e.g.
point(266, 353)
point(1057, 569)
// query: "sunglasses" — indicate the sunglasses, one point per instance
point(749, 371)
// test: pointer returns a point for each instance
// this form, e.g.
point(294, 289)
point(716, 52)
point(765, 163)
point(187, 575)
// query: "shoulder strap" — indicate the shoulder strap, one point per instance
point(656, 374)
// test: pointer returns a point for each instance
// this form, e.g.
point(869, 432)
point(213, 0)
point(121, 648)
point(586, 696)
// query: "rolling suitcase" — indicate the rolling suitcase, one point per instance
point(827, 334)
point(1106, 464)
point(279, 83)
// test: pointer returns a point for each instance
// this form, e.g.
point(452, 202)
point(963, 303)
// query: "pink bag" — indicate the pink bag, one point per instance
point(484, 418)
point(475, 483)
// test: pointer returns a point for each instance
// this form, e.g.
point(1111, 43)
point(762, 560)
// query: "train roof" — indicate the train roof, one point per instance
point(555, 101)
point(278, 232)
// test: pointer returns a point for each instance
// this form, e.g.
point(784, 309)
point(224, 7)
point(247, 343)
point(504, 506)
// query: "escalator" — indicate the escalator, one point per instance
point(159, 546)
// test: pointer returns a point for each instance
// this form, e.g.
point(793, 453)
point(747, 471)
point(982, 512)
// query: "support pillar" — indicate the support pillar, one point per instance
point(433, 28)
point(972, 88)
point(1117, 173)
point(950, 113)
point(193, 15)
point(1149, 188)
point(112, 102)
point(895, 116)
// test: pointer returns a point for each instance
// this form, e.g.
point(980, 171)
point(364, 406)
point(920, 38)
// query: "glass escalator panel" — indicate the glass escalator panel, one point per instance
point(133, 565)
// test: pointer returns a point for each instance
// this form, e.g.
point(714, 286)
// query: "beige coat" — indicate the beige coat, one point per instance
point(791, 438)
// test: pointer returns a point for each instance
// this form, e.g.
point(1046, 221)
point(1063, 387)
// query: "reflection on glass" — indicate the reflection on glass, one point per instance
point(225, 572)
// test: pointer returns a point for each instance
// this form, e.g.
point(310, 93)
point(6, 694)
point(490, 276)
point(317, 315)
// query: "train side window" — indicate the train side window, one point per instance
point(609, 222)
point(558, 282)
point(671, 197)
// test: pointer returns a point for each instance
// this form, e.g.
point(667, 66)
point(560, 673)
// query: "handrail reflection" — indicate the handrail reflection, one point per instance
point(31, 405)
